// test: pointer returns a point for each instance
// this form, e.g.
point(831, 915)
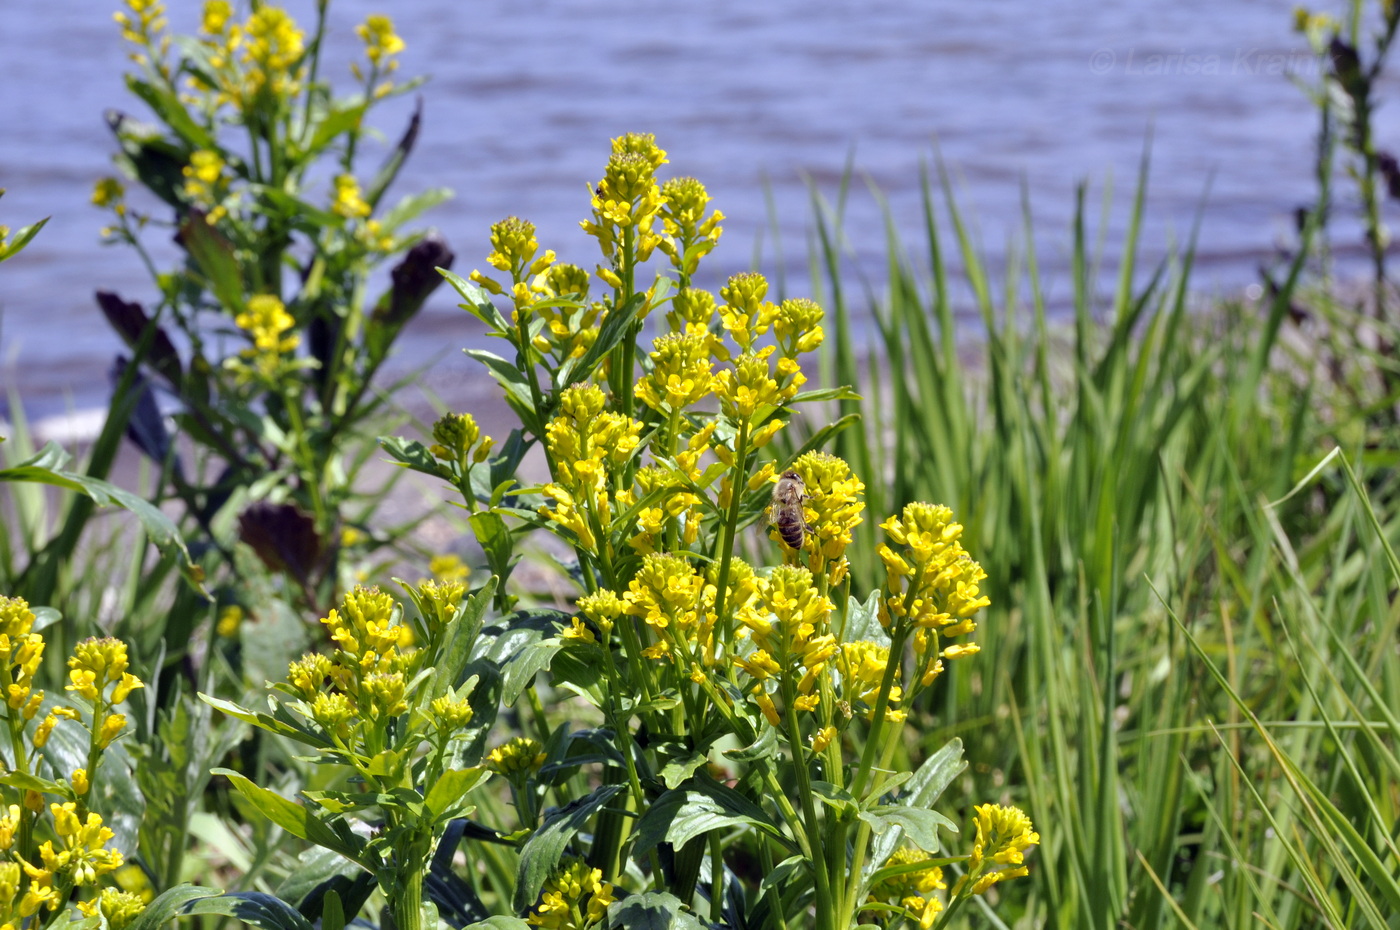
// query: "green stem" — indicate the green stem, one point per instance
point(816, 851)
point(731, 528)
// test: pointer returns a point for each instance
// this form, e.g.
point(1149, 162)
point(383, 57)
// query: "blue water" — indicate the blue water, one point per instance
point(525, 95)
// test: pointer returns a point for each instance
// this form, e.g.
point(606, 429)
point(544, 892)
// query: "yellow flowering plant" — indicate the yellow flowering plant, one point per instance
point(397, 707)
point(254, 162)
point(744, 708)
point(58, 854)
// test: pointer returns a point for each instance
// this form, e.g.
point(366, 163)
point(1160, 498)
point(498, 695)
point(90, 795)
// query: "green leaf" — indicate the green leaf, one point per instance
point(541, 853)
point(675, 772)
point(252, 907)
point(652, 910)
point(266, 722)
point(925, 788)
point(499, 922)
point(615, 327)
point(507, 376)
point(47, 468)
point(170, 904)
point(166, 105)
point(838, 393)
point(413, 454)
point(477, 302)
point(760, 748)
point(919, 824)
point(215, 258)
point(447, 798)
point(495, 539)
point(519, 673)
point(338, 120)
point(291, 816)
point(413, 206)
point(21, 237)
point(459, 642)
point(682, 814)
point(320, 873)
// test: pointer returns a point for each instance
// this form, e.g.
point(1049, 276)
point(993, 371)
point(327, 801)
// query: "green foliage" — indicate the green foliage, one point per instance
point(279, 341)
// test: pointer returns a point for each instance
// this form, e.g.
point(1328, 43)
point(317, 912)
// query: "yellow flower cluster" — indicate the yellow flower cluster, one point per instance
point(666, 596)
point(109, 194)
point(584, 442)
point(253, 64)
point(457, 439)
point(268, 324)
point(791, 638)
point(998, 853)
point(347, 201)
point(575, 897)
point(626, 203)
point(690, 234)
point(366, 676)
point(46, 876)
point(21, 652)
point(142, 27)
point(861, 666)
point(380, 41)
point(912, 890)
point(681, 373)
point(205, 184)
point(932, 585)
point(519, 756)
point(833, 509)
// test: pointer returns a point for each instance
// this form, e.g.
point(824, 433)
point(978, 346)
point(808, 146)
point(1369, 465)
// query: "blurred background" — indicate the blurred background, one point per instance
point(758, 101)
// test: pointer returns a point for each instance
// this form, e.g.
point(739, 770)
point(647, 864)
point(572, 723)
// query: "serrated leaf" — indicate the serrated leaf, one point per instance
point(542, 852)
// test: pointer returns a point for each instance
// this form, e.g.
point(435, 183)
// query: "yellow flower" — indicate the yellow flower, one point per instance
point(448, 567)
point(666, 595)
point(111, 727)
point(627, 198)
point(217, 13)
point(120, 908)
point(455, 439)
point(97, 663)
point(79, 781)
point(834, 504)
point(998, 853)
point(377, 32)
point(16, 619)
point(273, 49)
point(348, 202)
point(308, 675)
point(681, 372)
point(603, 607)
point(750, 385)
point(267, 322)
point(109, 193)
point(230, 621)
point(575, 897)
point(862, 667)
point(797, 326)
point(517, 756)
point(451, 713)
point(692, 234)
point(745, 314)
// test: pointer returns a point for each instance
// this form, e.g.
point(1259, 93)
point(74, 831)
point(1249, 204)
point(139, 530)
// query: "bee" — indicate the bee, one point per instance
point(785, 512)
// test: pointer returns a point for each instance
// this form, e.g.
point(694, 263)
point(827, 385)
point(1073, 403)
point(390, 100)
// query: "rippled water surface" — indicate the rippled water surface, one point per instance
point(524, 96)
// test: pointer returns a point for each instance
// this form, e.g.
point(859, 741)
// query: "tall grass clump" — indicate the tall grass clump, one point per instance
point(1116, 468)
